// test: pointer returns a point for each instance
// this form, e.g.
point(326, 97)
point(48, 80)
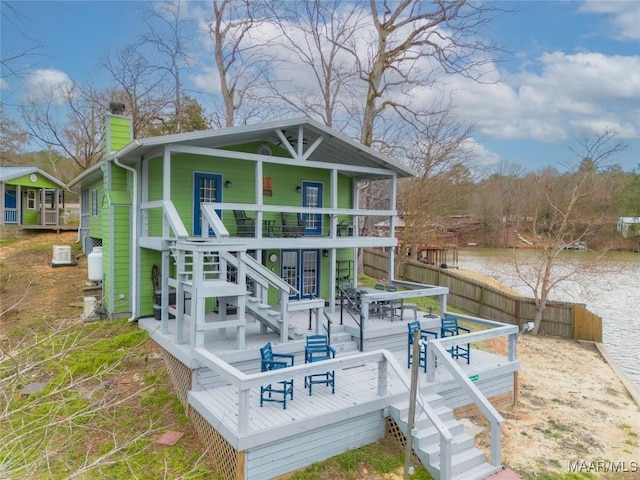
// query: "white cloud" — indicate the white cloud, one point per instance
point(3, 84)
point(481, 155)
point(48, 85)
point(624, 16)
point(572, 95)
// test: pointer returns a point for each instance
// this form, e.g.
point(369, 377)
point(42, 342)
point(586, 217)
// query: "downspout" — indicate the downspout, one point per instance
point(134, 259)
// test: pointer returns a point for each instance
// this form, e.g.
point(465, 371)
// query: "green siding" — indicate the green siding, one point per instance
point(41, 182)
point(95, 223)
point(118, 133)
point(116, 249)
point(119, 178)
point(241, 173)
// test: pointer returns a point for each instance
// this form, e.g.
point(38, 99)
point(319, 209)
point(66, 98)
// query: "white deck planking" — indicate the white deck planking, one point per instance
point(226, 342)
point(356, 388)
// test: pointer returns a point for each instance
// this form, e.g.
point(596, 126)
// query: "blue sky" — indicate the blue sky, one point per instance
point(573, 70)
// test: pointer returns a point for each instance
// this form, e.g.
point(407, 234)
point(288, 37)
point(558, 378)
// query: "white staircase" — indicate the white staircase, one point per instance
point(342, 340)
point(467, 461)
point(269, 318)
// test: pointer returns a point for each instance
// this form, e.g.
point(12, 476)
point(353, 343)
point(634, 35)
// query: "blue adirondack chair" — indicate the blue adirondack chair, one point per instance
point(318, 349)
point(424, 335)
point(273, 361)
point(449, 327)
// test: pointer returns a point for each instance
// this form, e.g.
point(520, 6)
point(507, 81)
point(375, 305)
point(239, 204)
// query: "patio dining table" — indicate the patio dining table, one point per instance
point(365, 291)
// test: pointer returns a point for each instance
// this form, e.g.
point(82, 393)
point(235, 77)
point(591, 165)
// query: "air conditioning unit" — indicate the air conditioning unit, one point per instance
point(62, 256)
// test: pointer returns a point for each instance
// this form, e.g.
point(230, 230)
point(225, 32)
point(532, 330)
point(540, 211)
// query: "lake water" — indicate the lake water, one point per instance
point(612, 292)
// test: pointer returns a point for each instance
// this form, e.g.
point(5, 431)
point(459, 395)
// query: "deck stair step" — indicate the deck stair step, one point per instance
point(479, 472)
point(467, 461)
point(343, 342)
point(270, 318)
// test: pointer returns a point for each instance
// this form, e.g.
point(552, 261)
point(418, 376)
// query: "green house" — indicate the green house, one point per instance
point(30, 199)
point(284, 193)
point(225, 243)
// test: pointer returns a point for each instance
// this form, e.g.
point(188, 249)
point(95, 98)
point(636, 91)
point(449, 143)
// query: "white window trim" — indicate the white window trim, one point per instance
point(31, 199)
point(94, 202)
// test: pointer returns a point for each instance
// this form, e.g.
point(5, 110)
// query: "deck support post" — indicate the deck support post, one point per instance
point(412, 402)
point(243, 411)
point(431, 363)
point(512, 347)
point(383, 368)
point(496, 442)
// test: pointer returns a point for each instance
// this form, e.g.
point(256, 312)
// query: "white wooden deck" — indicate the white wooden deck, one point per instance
point(356, 390)
point(355, 394)
point(226, 342)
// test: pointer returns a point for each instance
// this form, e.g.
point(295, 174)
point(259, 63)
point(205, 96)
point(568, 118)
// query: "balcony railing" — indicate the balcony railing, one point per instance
point(11, 216)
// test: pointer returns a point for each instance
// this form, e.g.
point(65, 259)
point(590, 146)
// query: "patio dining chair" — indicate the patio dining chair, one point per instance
point(424, 335)
point(318, 349)
point(393, 308)
point(377, 308)
point(449, 327)
point(274, 361)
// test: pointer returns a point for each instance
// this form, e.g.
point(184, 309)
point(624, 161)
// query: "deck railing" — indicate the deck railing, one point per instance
point(10, 216)
point(50, 217)
point(438, 349)
point(387, 365)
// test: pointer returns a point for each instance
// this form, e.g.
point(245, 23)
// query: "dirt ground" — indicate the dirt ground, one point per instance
point(572, 408)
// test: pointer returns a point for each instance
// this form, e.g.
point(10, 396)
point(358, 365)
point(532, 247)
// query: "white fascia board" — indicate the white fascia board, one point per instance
point(216, 152)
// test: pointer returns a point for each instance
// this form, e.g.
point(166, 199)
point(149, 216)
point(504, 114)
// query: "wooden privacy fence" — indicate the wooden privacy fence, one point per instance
point(562, 319)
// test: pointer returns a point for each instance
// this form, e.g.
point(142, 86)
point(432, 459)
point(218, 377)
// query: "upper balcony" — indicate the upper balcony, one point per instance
point(268, 226)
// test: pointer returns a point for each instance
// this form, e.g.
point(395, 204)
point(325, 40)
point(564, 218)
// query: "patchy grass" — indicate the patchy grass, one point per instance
point(383, 457)
point(99, 415)
point(560, 476)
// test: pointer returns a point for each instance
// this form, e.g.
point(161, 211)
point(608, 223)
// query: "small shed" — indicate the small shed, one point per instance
point(30, 198)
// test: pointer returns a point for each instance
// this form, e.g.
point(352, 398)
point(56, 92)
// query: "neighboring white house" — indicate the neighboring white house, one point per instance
point(628, 226)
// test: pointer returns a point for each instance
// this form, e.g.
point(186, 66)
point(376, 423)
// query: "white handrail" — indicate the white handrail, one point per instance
point(244, 382)
point(438, 348)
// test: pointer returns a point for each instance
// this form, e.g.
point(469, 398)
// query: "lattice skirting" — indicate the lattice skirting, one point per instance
point(180, 376)
point(393, 430)
point(225, 459)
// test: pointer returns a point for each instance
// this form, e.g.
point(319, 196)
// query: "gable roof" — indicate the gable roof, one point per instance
point(9, 173)
point(335, 148)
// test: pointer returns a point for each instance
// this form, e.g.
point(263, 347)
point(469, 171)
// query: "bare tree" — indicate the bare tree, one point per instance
point(14, 62)
point(439, 154)
point(240, 58)
point(314, 33)
point(138, 86)
point(561, 215)
point(414, 43)
point(12, 139)
point(71, 128)
point(166, 34)
point(499, 201)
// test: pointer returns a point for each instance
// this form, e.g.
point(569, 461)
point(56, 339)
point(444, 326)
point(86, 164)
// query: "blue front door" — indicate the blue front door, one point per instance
point(312, 198)
point(207, 188)
point(10, 205)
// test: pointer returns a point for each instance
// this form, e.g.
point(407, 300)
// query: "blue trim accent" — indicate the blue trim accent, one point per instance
point(299, 272)
point(314, 218)
point(197, 178)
